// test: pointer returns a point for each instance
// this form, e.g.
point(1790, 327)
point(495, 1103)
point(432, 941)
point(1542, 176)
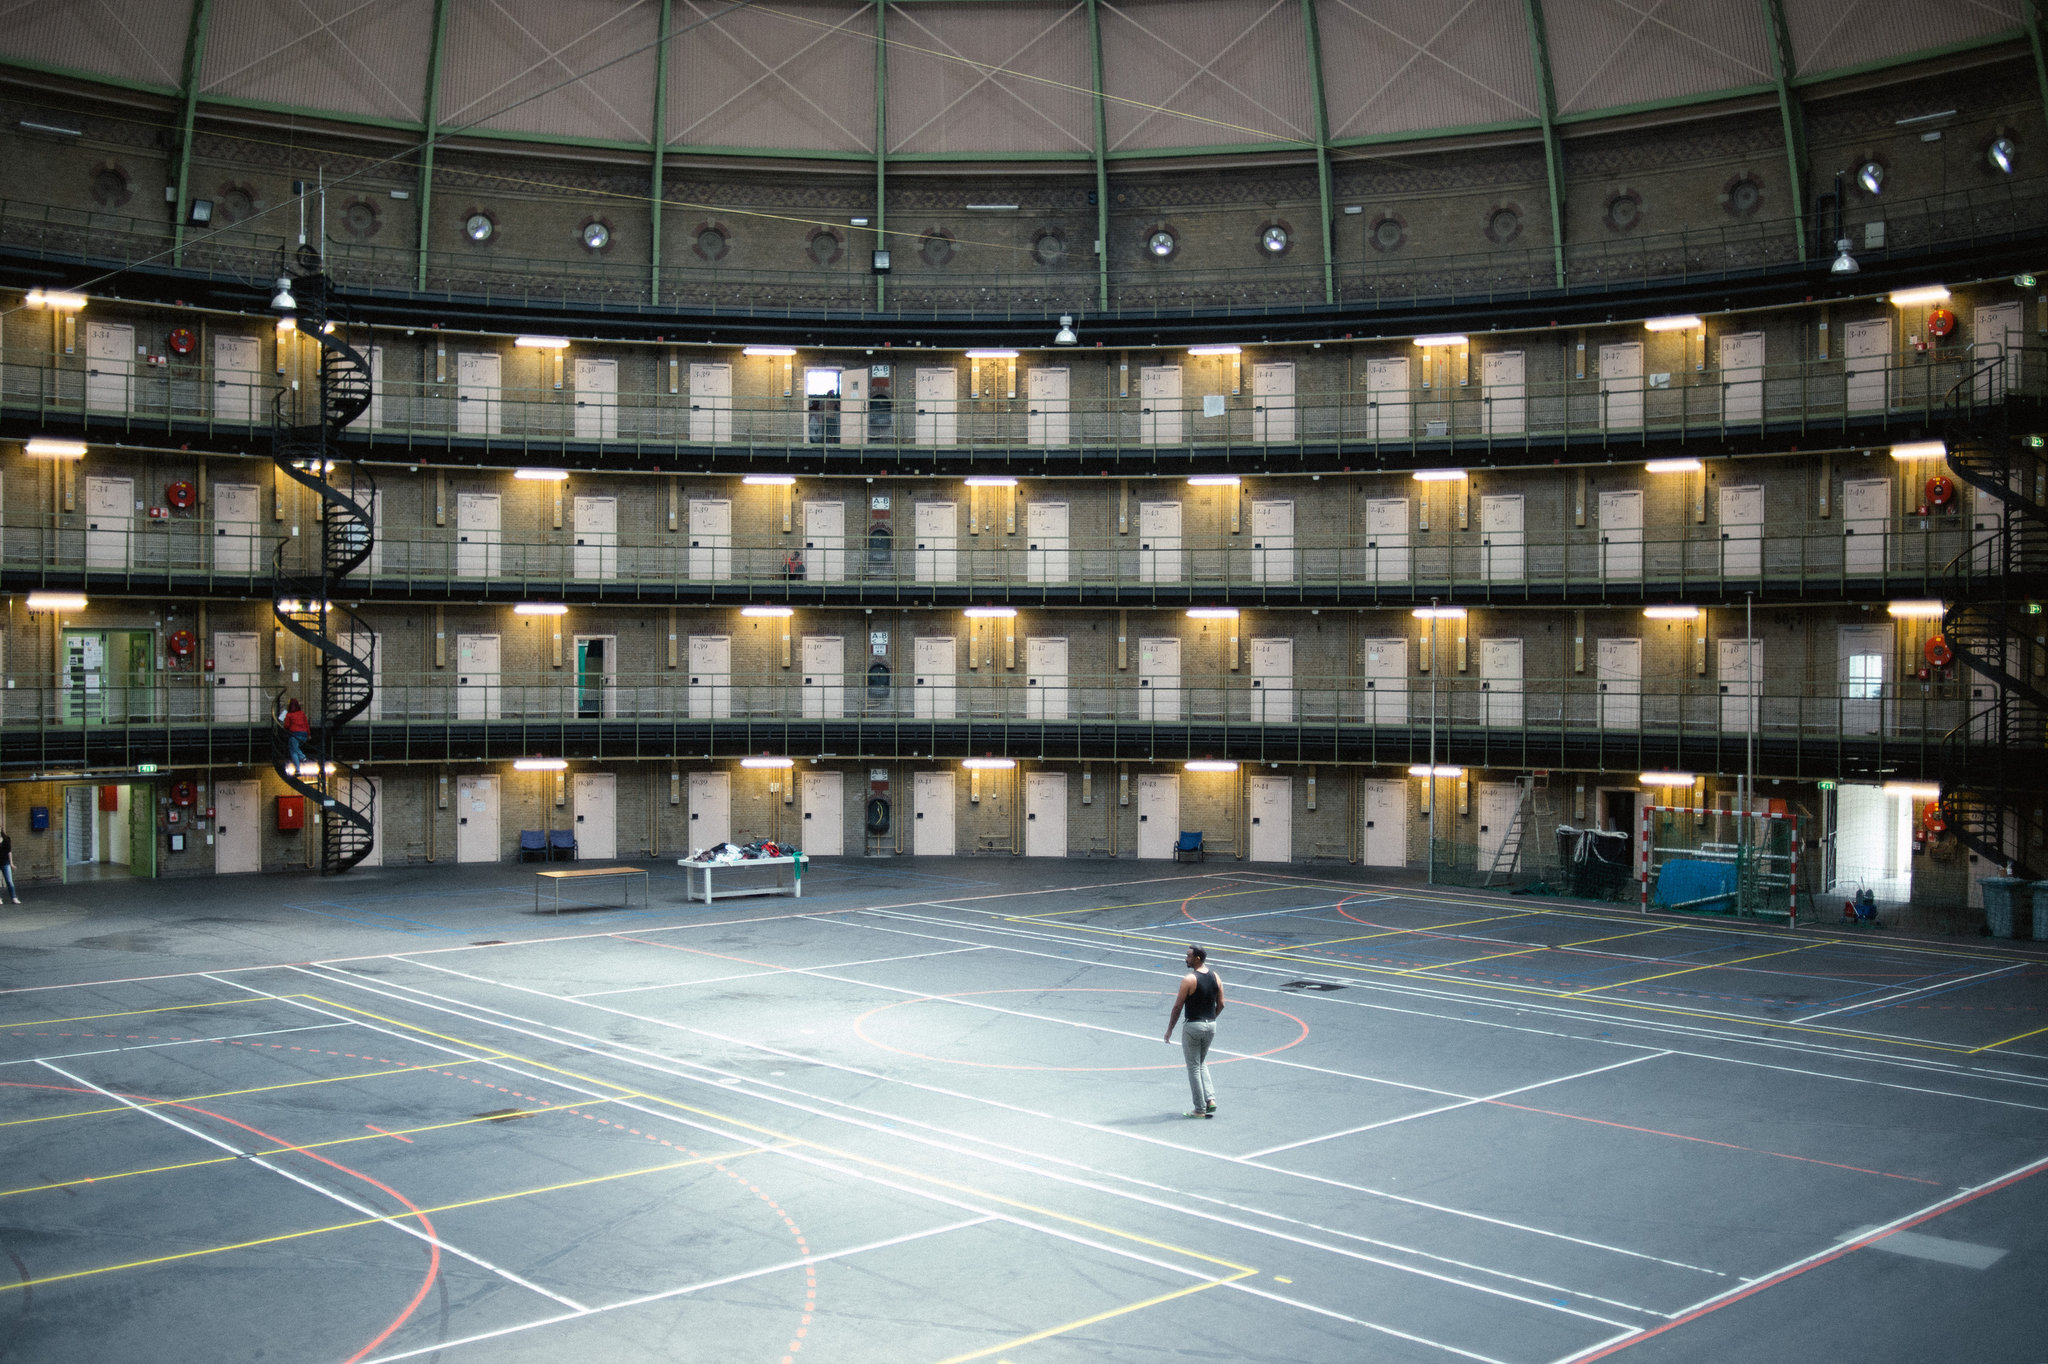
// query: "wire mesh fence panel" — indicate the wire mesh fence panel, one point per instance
point(1699, 860)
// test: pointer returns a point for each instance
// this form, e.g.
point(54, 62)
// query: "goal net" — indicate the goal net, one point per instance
point(1719, 861)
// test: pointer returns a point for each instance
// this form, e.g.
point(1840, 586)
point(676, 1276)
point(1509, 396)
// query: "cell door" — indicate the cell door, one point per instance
point(1385, 812)
point(1273, 401)
point(1742, 377)
point(933, 690)
point(1272, 835)
point(1273, 542)
point(109, 366)
point(821, 406)
point(853, 407)
point(1504, 392)
point(1987, 531)
point(1159, 694)
point(1621, 536)
point(596, 799)
point(1866, 521)
point(1045, 678)
point(1500, 682)
point(237, 827)
point(938, 407)
point(81, 827)
point(710, 677)
point(1386, 682)
point(478, 534)
point(1159, 555)
point(710, 539)
point(1046, 414)
point(1045, 529)
point(825, 541)
point(371, 500)
point(370, 646)
point(237, 368)
point(237, 694)
point(1160, 418)
point(110, 523)
point(1867, 364)
point(1621, 386)
point(1996, 350)
point(597, 672)
point(1158, 817)
point(1045, 814)
point(1861, 675)
point(476, 677)
point(932, 815)
point(1742, 531)
point(597, 399)
point(1387, 402)
point(1273, 681)
point(938, 541)
point(373, 420)
point(1386, 540)
point(476, 819)
point(479, 394)
point(710, 403)
point(1618, 669)
point(710, 809)
point(1499, 803)
point(358, 791)
point(824, 677)
point(824, 821)
point(1501, 540)
point(1740, 678)
point(237, 512)
point(596, 552)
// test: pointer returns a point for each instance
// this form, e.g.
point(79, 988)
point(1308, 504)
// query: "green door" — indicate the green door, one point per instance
point(142, 834)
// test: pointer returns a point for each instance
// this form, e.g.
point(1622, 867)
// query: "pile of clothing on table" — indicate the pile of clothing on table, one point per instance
point(726, 854)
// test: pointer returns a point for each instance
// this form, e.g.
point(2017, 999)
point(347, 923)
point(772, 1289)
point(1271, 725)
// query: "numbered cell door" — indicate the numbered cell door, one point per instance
point(109, 523)
point(1741, 511)
point(1272, 832)
point(710, 675)
point(1502, 539)
point(825, 541)
point(937, 527)
point(1273, 541)
point(1386, 540)
point(1160, 419)
point(1740, 677)
point(1866, 364)
point(1504, 392)
point(1158, 799)
point(476, 677)
point(372, 419)
point(1618, 668)
point(824, 677)
point(361, 791)
point(710, 809)
point(931, 822)
point(1866, 521)
point(354, 532)
point(1159, 553)
point(710, 403)
point(1045, 814)
point(853, 407)
point(237, 512)
point(938, 407)
point(479, 393)
point(1273, 681)
point(237, 827)
point(1621, 386)
point(1047, 686)
point(824, 814)
point(1384, 806)
point(1273, 401)
point(237, 679)
point(478, 534)
point(1621, 536)
point(1387, 412)
point(1987, 530)
point(710, 538)
point(933, 692)
point(476, 819)
point(237, 368)
point(1499, 803)
point(1865, 655)
point(368, 646)
point(109, 366)
point(1999, 336)
point(597, 537)
point(1500, 682)
point(1742, 377)
point(1046, 413)
point(1046, 542)
point(597, 398)
point(596, 799)
point(1386, 682)
point(1159, 692)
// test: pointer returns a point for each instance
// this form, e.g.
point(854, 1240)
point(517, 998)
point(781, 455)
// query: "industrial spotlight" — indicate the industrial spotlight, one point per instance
point(1065, 335)
point(282, 301)
point(1845, 264)
point(2004, 152)
point(1870, 175)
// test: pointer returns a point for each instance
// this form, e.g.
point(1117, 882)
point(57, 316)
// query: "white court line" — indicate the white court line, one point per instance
point(776, 971)
point(1350, 1320)
point(1882, 1003)
point(161, 1046)
point(1254, 914)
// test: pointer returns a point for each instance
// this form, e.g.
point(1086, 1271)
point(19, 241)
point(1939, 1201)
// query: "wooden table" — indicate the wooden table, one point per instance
point(795, 887)
point(589, 873)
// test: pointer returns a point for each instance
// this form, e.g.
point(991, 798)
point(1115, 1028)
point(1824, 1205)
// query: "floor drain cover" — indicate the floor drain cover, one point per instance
point(1310, 985)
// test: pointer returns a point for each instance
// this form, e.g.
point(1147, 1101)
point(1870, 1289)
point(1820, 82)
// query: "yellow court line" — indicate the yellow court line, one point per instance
point(1616, 937)
point(1142, 904)
point(1688, 970)
point(225, 1094)
point(137, 1013)
point(1410, 932)
point(1993, 1046)
point(1113, 1312)
point(1468, 961)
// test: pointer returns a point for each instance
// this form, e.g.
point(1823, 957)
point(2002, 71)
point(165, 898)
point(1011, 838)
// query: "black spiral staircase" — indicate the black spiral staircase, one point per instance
point(302, 597)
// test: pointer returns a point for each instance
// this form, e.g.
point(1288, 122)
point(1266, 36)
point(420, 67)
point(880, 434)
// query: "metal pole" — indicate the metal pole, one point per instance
point(1756, 719)
point(1434, 664)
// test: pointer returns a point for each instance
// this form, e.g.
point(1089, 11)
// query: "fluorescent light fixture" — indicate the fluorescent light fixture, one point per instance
point(1672, 466)
point(56, 601)
point(45, 298)
point(1438, 613)
point(1212, 613)
point(1439, 475)
point(1671, 613)
point(769, 480)
point(287, 324)
point(542, 342)
point(990, 613)
point(1915, 610)
point(1208, 765)
point(988, 764)
point(1921, 449)
point(990, 208)
point(1670, 324)
point(1913, 298)
point(991, 482)
point(1450, 340)
point(1215, 350)
point(1918, 790)
point(1440, 770)
point(37, 125)
point(541, 475)
point(43, 448)
point(769, 352)
point(540, 764)
point(767, 612)
point(991, 355)
point(1213, 481)
point(311, 770)
point(1666, 779)
point(771, 764)
point(540, 608)
point(292, 606)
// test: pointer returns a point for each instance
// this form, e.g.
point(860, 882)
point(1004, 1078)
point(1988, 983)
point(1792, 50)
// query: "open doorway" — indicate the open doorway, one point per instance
point(821, 406)
point(597, 672)
point(1873, 843)
point(109, 832)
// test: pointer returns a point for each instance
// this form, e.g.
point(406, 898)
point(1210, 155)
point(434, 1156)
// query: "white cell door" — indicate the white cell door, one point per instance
point(1742, 377)
point(1158, 817)
point(933, 692)
point(237, 512)
point(596, 798)
point(109, 366)
point(1273, 681)
point(372, 501)
point(710, 403)
point(1159, 555)
point(1272, 800)
point(237, 698)
point(1618, 670)
point(1273, 541)
point(1500, 682)
point(1999, 336)
point(237, 827)
point(1866, 520)
point(1740, 679)
point(825, 541)
point(1386, 540)
point(1501, 538)
point(368, 645)
point(1865, 650)
point(853, 407)
point(1273, 401)
point(479, 393)
point(1385, 811)
point(1987, 527)
point(476, 677)
point(597, 537)
point(476, 819)
point(1160, 418)
point(356, 791)
point(1159, 694)
point(1742, 531)
point(710, 538)
point(824, 821)
point(710, 677)
point(824, 677)
point(1621, 385)
point(1046, 682)
point(710, 809)
point(937, 525)
point(1621, 535)
point(237, 367)
point(1504, 392)
point(109, 522)
point(597, 399)
point(1386, 682)
point(1866, 364)
point(373, 420)
point(1045, 814)
point(931, 822)
point(478, 534)
point(1046, 542)
point(1497, 806)
point(938, 407)
point(1387, 407)
point(1046, 414)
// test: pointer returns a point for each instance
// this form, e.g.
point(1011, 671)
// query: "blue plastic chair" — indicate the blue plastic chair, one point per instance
point(533, 843)
point(562, 845)
point(1190, 849)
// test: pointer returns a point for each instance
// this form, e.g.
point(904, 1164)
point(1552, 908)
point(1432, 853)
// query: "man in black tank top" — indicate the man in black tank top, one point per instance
point(1201, 996)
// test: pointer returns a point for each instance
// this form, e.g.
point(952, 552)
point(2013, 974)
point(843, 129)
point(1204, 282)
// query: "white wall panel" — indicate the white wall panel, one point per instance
point(494, 59)
point(1391, 66)
point(794, 73)
point(367, 58)
point(1190, 73)
point(1605, 53)
point(990, 78)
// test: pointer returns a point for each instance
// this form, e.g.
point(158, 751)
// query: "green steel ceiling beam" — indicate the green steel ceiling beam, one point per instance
point(881, 149)
point(1789, 112)
point(2030, 11)
point(1652, 106)
point(195, 48)
point(1546, 95)
point(431, 113)
point(1315, 80)
point(660, 182)
point(1999, 39)
point(1101, 160)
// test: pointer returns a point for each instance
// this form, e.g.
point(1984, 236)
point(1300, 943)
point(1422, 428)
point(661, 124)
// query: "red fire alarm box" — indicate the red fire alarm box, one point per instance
point(110, 800)
point(291, 813)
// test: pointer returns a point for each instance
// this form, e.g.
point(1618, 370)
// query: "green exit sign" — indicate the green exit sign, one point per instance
point(1827, 786)
point(146, 769)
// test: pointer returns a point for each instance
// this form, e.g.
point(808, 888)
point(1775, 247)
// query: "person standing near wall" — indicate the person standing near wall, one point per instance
point(7, 867)
point(1201, 996)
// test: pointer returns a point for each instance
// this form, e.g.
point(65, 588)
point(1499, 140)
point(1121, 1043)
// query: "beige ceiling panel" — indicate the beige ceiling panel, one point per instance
point(1190, 73)
point(1607, 53)
point(127, 40)
point(580, 69)
point(990, 78)
point(1828, 35)
point(795, 74)
point(1392, 66)
point(367, 58)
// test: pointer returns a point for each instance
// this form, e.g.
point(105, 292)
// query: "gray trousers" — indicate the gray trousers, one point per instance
point(1194, 1045)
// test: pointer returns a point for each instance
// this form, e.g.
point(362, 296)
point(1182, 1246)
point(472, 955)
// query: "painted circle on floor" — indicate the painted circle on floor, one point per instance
point(860, 1026)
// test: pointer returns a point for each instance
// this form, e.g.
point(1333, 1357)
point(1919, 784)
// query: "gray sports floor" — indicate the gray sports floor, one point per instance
point(925, 1114)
